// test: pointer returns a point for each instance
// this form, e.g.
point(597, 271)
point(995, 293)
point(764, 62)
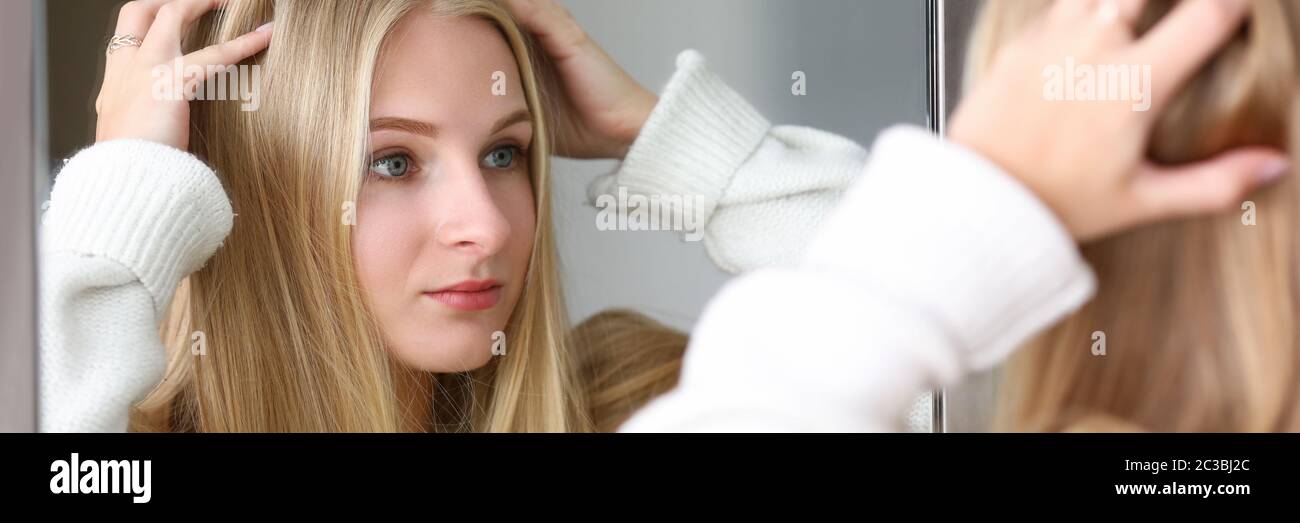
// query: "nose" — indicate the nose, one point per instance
point(469, 218)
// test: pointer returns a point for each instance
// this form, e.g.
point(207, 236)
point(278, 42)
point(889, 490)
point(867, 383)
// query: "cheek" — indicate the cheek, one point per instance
point(520, 210)
point(385, 241)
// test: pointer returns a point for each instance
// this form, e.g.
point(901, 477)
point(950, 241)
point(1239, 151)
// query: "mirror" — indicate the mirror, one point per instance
point(969, 406)
point(847, 67)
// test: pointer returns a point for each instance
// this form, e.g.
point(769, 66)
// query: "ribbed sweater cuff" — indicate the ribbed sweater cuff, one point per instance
point(155, 209)
point(696, 138)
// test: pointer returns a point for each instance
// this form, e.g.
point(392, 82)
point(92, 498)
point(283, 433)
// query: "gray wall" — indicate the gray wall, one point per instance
point(17, 213)
point(865, 63)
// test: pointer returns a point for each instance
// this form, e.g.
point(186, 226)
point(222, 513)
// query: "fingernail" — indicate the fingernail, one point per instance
point(265, 27)
point(1273, 170)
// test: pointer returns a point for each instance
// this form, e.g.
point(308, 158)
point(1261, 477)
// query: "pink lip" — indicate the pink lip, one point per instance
point(469, 295)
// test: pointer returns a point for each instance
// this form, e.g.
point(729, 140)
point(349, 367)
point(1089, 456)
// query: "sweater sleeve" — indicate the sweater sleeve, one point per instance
point(937, 264)
point(127, 220)
point(759, 189)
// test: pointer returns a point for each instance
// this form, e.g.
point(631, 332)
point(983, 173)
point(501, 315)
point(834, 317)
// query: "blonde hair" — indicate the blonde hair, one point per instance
point(290, 344)
point(628, 360)
point(1198, 315)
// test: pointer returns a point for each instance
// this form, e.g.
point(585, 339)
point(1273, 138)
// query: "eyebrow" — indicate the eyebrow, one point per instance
point(521, 115)
point(405, 125)
point(423, 128)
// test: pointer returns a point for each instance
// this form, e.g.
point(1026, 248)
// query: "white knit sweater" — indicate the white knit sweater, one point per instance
point(128, 219)
point(936, 264)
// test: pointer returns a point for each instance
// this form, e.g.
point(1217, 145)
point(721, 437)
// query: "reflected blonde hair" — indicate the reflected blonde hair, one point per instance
point(1198, 315)
point(290, 345)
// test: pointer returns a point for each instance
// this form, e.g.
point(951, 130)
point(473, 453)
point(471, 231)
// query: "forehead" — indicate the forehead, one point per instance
point(439, 68)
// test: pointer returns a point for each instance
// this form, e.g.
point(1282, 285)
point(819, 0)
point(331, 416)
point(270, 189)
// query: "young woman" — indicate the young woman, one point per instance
point(300, 316)
point(355, 243)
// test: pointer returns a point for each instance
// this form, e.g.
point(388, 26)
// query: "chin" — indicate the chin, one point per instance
point(444, 355)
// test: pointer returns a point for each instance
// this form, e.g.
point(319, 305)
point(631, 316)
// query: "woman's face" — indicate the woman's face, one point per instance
point(444, 225)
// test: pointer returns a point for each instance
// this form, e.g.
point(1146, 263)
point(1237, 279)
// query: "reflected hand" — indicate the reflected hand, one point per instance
point(1087, 159)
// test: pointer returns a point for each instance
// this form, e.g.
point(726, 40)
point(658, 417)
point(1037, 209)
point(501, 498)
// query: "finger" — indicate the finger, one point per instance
point(172, 21)
point(1118, 16)
point(1130, 11)
point(135, 17)
point(1187, 37)
point(1213, 185)
point(1118, 19)
point(552, 24)
point(1072, 10)
point(233, 51)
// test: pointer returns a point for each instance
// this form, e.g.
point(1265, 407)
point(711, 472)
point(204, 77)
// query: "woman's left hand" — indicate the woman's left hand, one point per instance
point(604, 107)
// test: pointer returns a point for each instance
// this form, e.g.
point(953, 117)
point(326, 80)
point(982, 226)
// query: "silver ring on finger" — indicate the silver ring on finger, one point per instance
point(122, 40)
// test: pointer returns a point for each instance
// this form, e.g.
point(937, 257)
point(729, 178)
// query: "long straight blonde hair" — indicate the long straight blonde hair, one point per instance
point(1198, 316)
point(288, 342)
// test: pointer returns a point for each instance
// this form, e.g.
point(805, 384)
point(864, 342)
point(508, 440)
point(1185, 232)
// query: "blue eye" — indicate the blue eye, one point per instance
point(391, 166)
point(501, 157)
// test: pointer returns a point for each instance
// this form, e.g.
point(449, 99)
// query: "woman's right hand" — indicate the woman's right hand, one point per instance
point(1086, 159)
point(128, 106)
